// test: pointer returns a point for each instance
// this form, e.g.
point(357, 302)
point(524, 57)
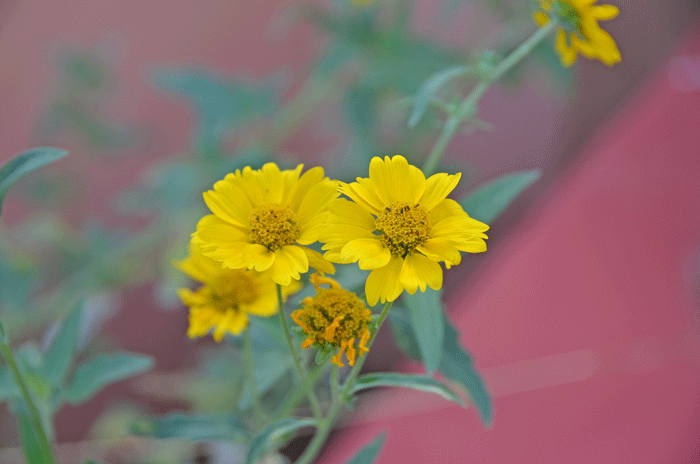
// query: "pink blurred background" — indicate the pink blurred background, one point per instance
point(583, 314)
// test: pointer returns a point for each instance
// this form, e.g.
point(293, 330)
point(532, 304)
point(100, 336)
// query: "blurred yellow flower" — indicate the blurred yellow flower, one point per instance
point(334, 317)
point(263, 218)
point(579, 31)
point(400, 225)
point(227, 296)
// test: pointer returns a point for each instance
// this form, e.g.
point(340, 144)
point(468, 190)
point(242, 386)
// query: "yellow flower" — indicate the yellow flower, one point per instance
point(579, 32)
point(227, 296)
point(263, 218)
point(334, 317)
point(400, 225)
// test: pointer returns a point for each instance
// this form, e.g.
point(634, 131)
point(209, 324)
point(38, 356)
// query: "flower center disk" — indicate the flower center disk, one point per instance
point(403, 227)
point(231, 290)
point(273, 226)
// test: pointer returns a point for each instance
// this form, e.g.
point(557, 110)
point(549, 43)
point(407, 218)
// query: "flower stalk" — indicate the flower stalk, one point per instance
point(313, 401)
point(467, 108)
point(35, 417)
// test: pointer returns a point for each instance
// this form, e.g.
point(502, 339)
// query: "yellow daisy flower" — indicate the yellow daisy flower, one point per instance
point(400, 225)
point(227, 296)
point(580, 32)
point(334, 317)
point(263, 218)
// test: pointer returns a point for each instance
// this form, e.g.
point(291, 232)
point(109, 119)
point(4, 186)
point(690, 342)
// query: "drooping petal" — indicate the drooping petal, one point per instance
point(418, 271)
point(317, 261)
point(605, 12)
point(383, 283)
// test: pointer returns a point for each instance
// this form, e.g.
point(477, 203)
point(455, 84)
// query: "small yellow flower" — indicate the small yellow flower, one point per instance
point(400, 225)
point(334, 317)
point(579, 32)
point(227, 296)
point(264, 218)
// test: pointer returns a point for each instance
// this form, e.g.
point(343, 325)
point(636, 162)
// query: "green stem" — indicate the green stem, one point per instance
point(326, 425)
point(293, 398)
point(29, 402)
point(468, 108)
point(248, 353)
point(309, 391)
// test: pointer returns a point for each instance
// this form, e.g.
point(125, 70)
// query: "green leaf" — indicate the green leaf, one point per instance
point(457, 366)
point(426, 315)
point(430, 87)
point(24, 163)
point(403, 333)
point(269, 367)
point(8, 388)
point(60, 355)
point(191, 427)
point(370, 452)
point(489, 201)
point(103, 370)
point(275, 430)
point(414, 381)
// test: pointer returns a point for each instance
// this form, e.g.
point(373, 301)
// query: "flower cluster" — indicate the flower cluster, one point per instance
point(396, 223)
point(578, 30)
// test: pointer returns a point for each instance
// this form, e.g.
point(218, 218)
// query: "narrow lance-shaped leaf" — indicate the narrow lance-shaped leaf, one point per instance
point(490, 200)
point(275, 430)
point(426, 314)
point(430, 88)
point(369, 454)
point(457, 366)
point(416, 382)
point(191, 427)
point(60, 353)
point(103, 370)
point(24, 163)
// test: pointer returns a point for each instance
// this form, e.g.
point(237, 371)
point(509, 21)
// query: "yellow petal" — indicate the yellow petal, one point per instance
point(440, 249)
point(289, 262)
point(445, 209)
point(567, 54)
point(310, 178)
point(476, 245)
point(418, 271)
point(369, 252)
point(213, 231)
point(317, 261)
point(229, 203)
point(348, 212)
point(316, 200)
point(395, 180)
point(540, 18)
point(362, 193)
point(605, 12)
point(230, 256)
point(383, 283)
point(258, 257)
point(437, 188)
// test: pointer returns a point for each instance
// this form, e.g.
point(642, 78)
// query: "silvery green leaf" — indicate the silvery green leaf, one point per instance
point(24, 163)
point(414, 381)
point(426, 313)
point(490, 200)
point(264, 439)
